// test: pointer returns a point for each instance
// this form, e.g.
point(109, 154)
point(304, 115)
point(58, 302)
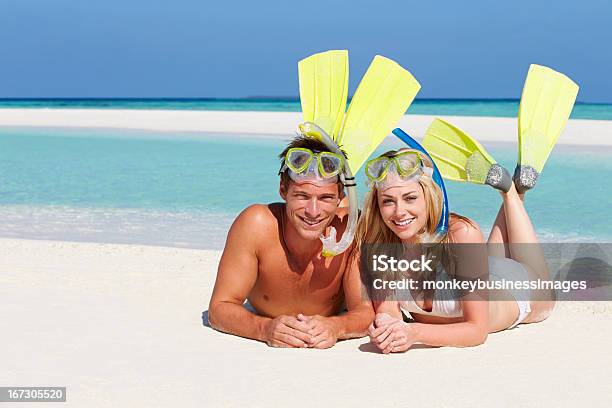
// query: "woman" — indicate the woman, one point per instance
point(404, 206)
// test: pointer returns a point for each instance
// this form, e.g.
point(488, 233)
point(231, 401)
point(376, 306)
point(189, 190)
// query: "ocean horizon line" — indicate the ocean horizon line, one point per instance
point(245, 99)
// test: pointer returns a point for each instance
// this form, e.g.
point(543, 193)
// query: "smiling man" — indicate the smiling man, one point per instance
point(272, 258)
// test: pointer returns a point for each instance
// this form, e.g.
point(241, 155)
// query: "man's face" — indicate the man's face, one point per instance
point(310, 207)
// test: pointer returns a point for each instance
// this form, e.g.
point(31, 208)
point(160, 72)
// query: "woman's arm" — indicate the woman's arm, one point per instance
point(473, 331)
point(472, 262)
point(390, 307)
point(394, 335)
point(470, 252)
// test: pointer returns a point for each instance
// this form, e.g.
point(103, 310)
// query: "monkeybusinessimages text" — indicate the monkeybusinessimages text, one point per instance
point(384, 263)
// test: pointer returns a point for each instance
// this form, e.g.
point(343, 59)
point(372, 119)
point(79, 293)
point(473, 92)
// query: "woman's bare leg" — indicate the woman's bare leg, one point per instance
point(524, 248)
point(498, 238)
point(503, 309)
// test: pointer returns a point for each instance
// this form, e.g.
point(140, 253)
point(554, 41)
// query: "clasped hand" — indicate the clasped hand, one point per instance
point(391, 335)
point(301, 332)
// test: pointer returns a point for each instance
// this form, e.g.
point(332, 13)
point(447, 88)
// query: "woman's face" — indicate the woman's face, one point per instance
point(403, 209)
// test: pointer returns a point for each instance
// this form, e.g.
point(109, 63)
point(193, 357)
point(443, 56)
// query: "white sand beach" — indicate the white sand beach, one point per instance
point(125, 325)
point(486, 129)
point(133, 135)
point(122, 326)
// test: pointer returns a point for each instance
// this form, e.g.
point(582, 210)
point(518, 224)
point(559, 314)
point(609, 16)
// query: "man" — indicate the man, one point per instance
point(272, 257)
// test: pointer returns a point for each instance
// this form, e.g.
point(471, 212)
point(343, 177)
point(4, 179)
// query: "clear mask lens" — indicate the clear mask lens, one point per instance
point(376, 169)
point(331, 165)
point(298, 160)
point(408, 163)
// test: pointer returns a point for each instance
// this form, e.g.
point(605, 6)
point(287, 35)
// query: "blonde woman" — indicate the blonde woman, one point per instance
point(403, 207)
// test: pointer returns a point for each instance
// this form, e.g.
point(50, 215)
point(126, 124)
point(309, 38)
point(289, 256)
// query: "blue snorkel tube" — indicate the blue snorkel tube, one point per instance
point(442, 227)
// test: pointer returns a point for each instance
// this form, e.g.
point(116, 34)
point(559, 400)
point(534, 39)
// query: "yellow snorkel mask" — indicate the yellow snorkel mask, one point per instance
point(304, 164)
point(405, 166)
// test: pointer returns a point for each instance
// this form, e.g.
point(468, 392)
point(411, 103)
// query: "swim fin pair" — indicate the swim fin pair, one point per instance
point(381, 99)
point(546, 103)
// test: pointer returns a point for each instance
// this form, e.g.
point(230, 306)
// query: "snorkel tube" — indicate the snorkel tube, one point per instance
point(442, 227)
point(330, 246)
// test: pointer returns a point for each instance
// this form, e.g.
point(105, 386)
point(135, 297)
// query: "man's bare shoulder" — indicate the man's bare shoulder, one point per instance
point(258, 221)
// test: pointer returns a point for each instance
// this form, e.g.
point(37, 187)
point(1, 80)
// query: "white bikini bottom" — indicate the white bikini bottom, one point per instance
point(509, 269)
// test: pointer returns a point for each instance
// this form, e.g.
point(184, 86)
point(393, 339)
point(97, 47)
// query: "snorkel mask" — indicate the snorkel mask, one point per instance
point(305, 165)
point(409, 166)
point(325, 168)
point(404, 167)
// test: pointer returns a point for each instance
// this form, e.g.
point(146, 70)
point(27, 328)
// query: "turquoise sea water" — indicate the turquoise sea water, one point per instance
point(185, 189)
point(459, 107)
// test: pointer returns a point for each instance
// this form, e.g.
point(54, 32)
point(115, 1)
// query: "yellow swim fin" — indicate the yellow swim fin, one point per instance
point(547, 101)
point(382, 98)
point(459, 157)
point(323, 81)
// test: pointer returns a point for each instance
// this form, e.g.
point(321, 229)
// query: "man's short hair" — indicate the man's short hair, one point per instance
point(304, 142)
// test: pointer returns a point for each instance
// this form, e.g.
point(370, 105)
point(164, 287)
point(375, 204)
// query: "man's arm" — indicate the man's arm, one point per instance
point(236, 277)
point(360, 313)
point(354, 323)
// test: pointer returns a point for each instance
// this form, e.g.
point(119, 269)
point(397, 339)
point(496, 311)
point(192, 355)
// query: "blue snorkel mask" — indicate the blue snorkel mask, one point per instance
point(442, 227)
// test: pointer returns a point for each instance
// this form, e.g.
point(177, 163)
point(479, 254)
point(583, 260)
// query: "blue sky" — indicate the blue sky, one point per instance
point(203, 48)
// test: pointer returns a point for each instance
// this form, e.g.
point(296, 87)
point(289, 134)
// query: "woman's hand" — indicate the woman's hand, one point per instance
point(391, 335)
point(381, 319)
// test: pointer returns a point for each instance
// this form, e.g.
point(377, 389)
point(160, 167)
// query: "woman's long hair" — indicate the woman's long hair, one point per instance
point(374, 237)
point(372, 229)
